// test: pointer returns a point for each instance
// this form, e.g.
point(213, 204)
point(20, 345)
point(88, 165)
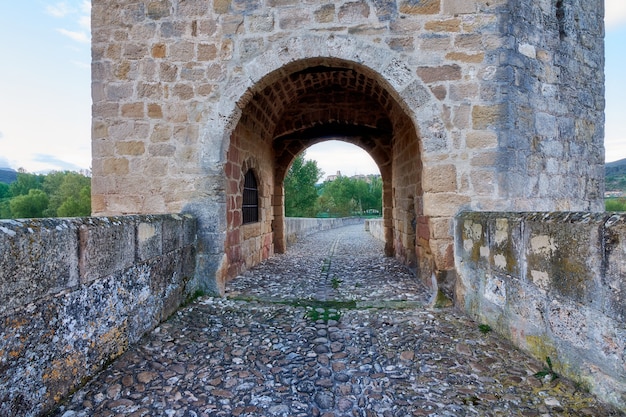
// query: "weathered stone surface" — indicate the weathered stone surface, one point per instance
point(254, 352)
point(91, 288)
point(542, 279)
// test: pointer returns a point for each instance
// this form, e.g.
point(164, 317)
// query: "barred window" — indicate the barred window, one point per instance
point(250, 198)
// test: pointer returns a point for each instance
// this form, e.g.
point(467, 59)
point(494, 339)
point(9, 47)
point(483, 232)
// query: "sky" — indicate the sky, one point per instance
point(45, 90)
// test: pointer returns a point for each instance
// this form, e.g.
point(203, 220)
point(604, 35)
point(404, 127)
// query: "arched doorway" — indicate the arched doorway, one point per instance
point(304, 103)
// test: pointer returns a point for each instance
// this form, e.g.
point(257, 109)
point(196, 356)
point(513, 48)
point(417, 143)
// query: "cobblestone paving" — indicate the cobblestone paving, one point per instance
point(332, 328)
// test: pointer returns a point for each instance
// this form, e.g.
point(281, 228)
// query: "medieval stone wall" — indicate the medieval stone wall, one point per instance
point(296, 228)
point(552, 136)
point(463, 104)
point(75, 293)
point(553, 284)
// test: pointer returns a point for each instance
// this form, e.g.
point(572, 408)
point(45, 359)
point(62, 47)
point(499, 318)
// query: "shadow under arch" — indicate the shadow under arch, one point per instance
point(306, 102)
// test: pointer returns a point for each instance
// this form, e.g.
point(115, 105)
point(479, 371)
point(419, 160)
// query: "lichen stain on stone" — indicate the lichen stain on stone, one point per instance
point(502, 231)
point(61, 375)
point(473, 239)
point(543, 245)
point(541, 348)
point(569, 278)
point(500, 261)
point(145, 231)
point(541, 279)
point(115, 341)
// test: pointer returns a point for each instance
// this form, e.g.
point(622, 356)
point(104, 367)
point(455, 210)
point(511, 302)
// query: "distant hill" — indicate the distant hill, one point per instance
point(7, 175)
point(615, 173)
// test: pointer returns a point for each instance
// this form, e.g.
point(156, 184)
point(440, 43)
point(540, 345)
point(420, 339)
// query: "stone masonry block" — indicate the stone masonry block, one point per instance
point(484, 117)
point(172, 233)
point(354, 12)
point(438, 74)
point(444, 204)
point(420, 6)
point(107, 244)
point(37, 258)
point(189, 230)
point(451, 25)
point(133, 148)
point(149, 239)
point(484, 139)
point(459, 6)
point(325, 14)
point(439, 178)
point(221, 6)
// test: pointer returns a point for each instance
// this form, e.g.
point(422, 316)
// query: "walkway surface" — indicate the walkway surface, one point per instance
point(332, 328)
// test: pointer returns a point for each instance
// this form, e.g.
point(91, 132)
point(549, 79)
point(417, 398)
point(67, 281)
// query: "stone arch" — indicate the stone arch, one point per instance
point(308, 100)
point(391, 69)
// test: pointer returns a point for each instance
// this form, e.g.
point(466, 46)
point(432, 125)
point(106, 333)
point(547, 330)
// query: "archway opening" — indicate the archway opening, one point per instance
point(333, 179)
point(308, 102)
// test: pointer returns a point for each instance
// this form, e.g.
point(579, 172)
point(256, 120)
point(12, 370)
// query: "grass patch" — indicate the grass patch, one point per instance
point(547, 371)
point(323, 310)
point(325, 314)
point(335, 282)
point(484, 328)
point(193, 297)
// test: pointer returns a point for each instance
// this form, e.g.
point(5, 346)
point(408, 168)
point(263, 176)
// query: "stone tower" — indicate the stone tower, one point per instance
point(201, 105)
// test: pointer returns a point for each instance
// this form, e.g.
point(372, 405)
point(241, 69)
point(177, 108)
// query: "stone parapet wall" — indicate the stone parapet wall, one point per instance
point(75, 293)
point(376, 228)
point(554, 284)
point(297, 227)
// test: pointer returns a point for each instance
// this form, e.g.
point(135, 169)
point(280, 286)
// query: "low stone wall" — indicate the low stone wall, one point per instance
point(375, 228)
point(74, 293)
point(298, 227)
point(555, 285)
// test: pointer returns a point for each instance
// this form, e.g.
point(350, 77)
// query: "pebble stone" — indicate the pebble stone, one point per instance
point(331, 328)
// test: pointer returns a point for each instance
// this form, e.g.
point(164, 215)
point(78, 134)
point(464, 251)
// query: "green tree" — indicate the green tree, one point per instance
point(5, 196)
point(340, 197)
point(25, 182)
point(349, 196)
point(300, 191)
point(373, 199)
point(30, 205)
point(69, 193)
point(4, 190)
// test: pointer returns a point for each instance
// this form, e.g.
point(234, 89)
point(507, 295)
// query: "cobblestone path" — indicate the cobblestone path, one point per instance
point(332, 328)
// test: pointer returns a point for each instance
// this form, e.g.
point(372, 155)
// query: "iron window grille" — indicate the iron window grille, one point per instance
point(250, 206)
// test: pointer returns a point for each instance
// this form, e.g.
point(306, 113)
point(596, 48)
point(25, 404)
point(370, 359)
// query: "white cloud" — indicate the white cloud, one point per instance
point(615, 149)
point(333, 156)
point(4, 162)
point(61, 9)
point(614, 13)
point(1, 135)
point(83, 65)
point(81, 37)
point(85, 22)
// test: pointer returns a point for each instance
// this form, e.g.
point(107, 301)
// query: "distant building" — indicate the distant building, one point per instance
point(333, 177)
point(367, 178)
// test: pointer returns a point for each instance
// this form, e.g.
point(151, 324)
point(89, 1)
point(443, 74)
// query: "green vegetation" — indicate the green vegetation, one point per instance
point(335, 282)
point(547, 371)
point(300, 189)
point(57, 194)
point(484, 328)
point(341, 197)
point(615, 204)
point(323, 313)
